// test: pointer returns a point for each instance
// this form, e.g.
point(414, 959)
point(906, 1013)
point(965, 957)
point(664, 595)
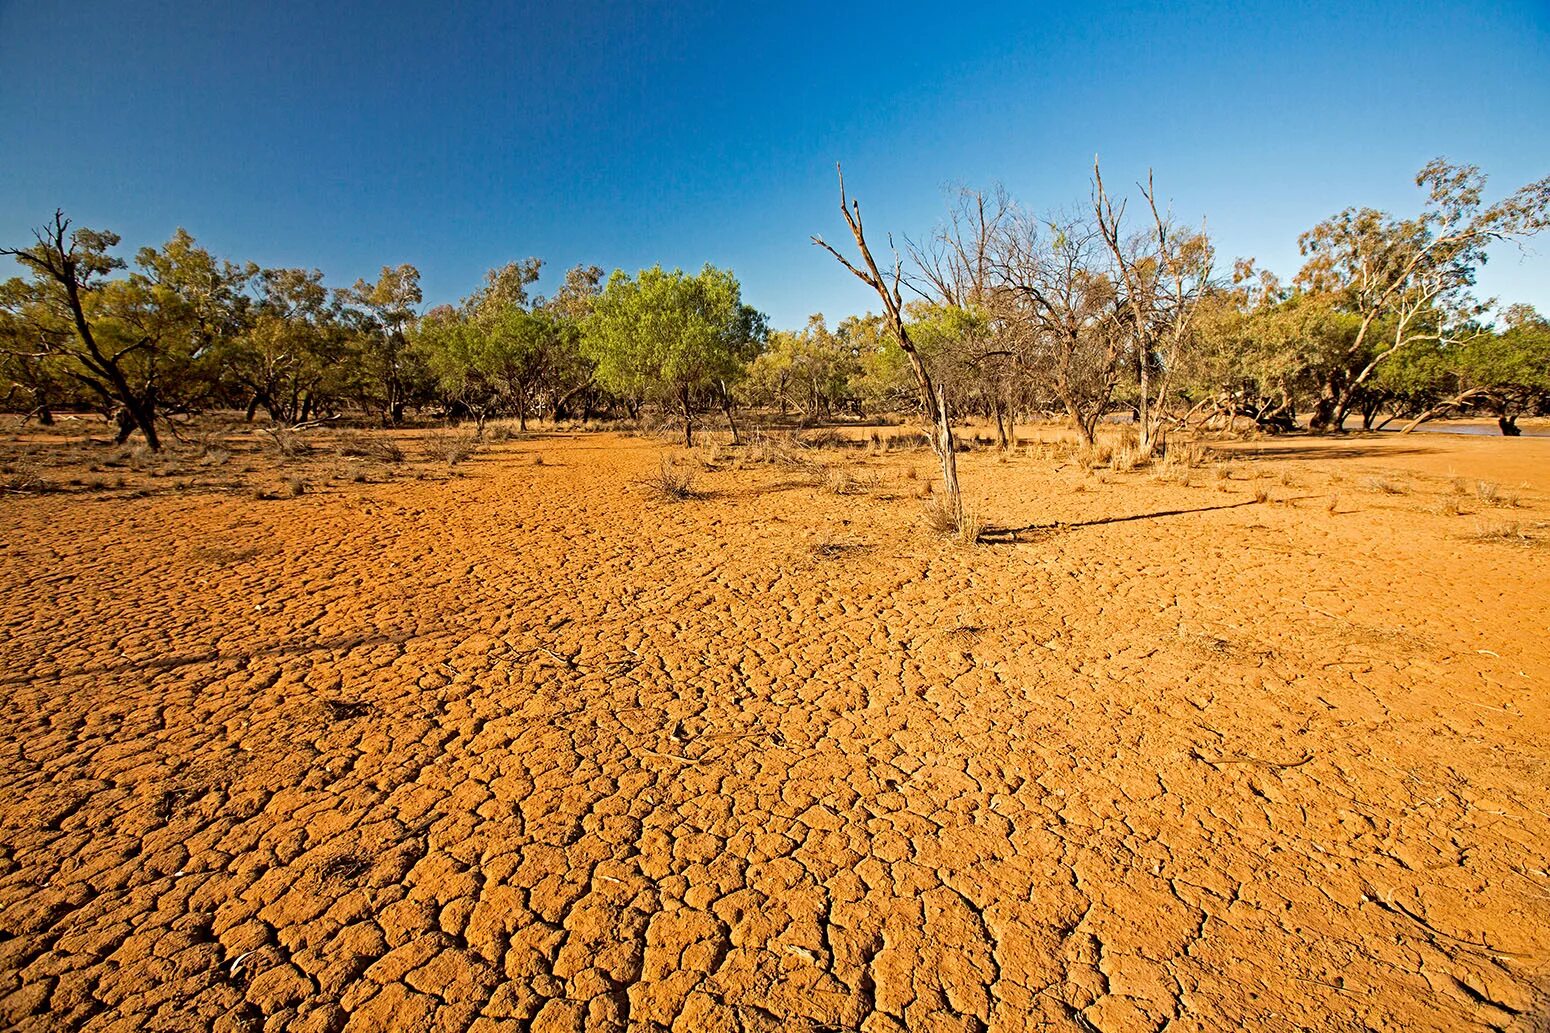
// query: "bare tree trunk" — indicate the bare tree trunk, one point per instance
point(726, 407)
point(683, 398)
point(931, 397)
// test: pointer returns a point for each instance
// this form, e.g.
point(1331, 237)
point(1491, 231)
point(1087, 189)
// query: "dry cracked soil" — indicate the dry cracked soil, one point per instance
point(1259, 744)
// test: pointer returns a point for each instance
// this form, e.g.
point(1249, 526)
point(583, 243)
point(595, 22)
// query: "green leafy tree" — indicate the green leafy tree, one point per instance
point(141, 343)
point(810, 369)
point(291, 357)
point(672, 337)
point(382, 313)
point(1408, 281)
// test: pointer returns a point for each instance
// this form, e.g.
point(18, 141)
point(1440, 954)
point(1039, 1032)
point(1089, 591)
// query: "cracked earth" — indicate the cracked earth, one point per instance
point(528, 748)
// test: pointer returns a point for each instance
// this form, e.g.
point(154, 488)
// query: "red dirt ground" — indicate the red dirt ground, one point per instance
point(530, 748)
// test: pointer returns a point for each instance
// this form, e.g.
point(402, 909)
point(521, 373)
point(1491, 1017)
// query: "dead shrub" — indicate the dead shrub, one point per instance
point(294, 487)
point(828, 550)
point(836, 480)
point(672, 483)
point(365, 445)
point(285, 442)
point(824, 438)
point(1261, 495)
point(452, 447)
point(24, 475)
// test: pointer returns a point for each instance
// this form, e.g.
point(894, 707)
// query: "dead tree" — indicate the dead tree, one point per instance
point(1164, 280)
point(932, 400)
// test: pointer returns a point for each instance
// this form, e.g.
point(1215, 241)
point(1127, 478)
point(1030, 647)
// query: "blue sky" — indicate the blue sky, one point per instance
point(459, 136)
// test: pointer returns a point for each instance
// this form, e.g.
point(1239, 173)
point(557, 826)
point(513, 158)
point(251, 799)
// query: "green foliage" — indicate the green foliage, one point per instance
point(669, 336)
point(810, 369)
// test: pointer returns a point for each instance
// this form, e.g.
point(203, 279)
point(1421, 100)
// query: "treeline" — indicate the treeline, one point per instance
point(1011, 312)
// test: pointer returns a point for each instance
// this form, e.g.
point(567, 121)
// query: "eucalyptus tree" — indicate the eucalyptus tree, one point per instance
point(138, 342)
point(382, 313)
point(810, 369)
point(1060, 300)
point(291, 356)
point(1164, 273)
point(1408, 281)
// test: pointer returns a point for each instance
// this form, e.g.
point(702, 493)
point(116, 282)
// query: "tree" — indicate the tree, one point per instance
point(1063, 308)
point(30, 353)
point(1505, 372)
point(382, 313)
point(933, 402)
point(810, 369)
point(1408, 280)
point(1164, 274)
point(71, 271)
point(291, 353)
point(672, 337)
point(569, 373)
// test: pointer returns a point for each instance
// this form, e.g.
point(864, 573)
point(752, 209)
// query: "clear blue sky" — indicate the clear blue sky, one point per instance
point(348, 136)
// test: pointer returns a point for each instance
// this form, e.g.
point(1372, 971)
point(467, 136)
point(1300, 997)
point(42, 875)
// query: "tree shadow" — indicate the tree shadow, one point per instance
point(295, 647)
point(1033, 532)
point(1317, 451)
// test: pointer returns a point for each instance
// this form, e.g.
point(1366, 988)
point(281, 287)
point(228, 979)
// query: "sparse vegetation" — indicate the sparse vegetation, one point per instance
point(673, 482)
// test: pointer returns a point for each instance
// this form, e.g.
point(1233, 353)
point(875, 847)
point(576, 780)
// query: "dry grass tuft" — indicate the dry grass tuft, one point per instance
point(365, 445)
point(1261, 495)
point(940, 516)
point(1384, 486)
point(672, 483)
point(1512, 533)
point(1491, 494)
point(965, 527)
point(1127, 457)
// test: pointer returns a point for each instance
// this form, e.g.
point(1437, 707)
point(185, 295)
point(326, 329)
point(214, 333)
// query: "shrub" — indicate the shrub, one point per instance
point(453, 447)
point(365, 445)
point(23, 475)
point(672, 483)
point(285, 442)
